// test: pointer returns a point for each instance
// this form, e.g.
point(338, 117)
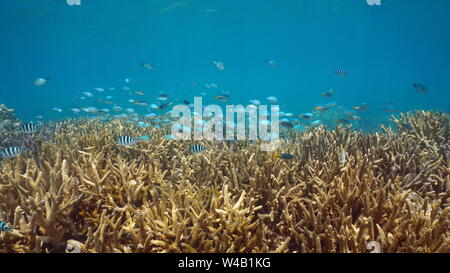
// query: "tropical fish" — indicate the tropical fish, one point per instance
point(186, 102)
point(360, 108)
point(141, 102)
point(99, 89)
point(117, 108)
point(320, 108)
point(128, 141)
point(283, 156)
point(88, 94)
point(255, 102)
point(162, 97)
point(105, 101)
point(389, 108)
point(353, 117)
point(271, 63)
point(342, 121)
point(272, 99)
point(56, 109)
point(142, 124)
point(41, 81)
point(307, 116)
point(165, 105)
point(29, 128)
point(170, 137)
point(220, 65)
point(341, 72)
point(11, 152)
point(222, 98)
point(286, 124)
point(140, 93)
point(328, 94)
point(420, 87)
point(154, 106)
point(197, 149)
point(299, 128)
point(39, 116)
point(90, 109)
point(316, 123)
point(147, 66)
point(4, 227)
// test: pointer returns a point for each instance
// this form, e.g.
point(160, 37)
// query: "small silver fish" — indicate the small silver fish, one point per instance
point(41, 81)
point(147, 66)
point(220, 65)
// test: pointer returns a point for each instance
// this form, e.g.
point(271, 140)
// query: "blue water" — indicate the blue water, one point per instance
point(384, 50)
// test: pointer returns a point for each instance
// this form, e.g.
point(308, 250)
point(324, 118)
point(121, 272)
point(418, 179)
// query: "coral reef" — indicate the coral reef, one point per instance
point(7, 118)
point(87, 194)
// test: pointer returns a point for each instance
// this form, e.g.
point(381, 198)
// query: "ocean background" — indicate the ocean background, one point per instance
point(383, 49)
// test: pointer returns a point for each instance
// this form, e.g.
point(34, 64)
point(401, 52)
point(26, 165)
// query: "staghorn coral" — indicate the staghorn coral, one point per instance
point(87, 194)
point(7, 118)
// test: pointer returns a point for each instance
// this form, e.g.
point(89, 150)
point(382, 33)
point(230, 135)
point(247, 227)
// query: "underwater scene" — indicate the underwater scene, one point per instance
point(224, 126)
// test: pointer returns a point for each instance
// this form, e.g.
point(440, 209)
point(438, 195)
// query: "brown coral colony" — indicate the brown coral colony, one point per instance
point(74, 191)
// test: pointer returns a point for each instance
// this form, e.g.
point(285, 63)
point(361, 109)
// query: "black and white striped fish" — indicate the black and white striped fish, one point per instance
point(29, 128)
point(197, 149)
point(126, 140)
point(11, 152)
point(4, 227)
point(341, 72)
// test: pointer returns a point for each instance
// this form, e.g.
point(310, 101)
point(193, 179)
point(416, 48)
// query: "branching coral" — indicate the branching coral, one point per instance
point(87, 194)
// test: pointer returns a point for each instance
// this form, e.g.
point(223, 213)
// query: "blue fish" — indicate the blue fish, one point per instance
point(4, 227)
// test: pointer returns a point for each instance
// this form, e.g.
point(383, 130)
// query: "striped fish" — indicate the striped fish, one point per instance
point(4, 227)
point(340, 72)
point(126, 140)
point(197, 149)
point(11, 152)
point(28, 128)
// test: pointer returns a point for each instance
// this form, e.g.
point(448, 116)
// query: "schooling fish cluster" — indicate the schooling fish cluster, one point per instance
point(83, 188)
